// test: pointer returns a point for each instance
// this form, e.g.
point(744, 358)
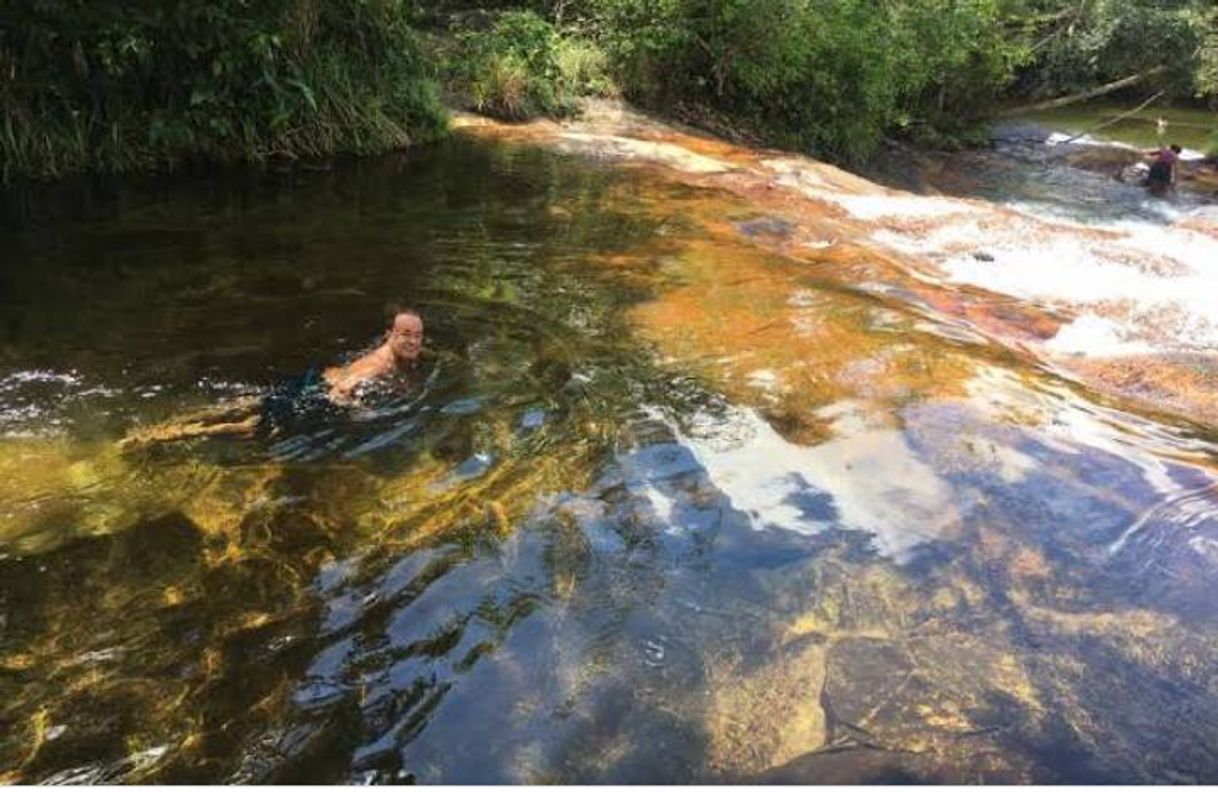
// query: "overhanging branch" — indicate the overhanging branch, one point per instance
point(1063, 101)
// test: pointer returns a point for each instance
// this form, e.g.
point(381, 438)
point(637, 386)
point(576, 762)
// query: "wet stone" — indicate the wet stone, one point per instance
point(765, 226)
point(161, 547)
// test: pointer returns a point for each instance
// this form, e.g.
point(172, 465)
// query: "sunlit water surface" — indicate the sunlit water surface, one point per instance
point(659, 505)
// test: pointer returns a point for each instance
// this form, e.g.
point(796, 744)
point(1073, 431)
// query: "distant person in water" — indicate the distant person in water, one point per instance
point(1162, 174)
point(341, 386)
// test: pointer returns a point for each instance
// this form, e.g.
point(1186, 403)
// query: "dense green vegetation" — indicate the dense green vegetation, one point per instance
point(837, 76)
point(832, 75)
point(111, 85)
point(520, 66)
point(1080, 45)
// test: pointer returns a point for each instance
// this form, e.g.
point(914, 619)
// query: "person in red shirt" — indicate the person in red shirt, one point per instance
point(1163, 170)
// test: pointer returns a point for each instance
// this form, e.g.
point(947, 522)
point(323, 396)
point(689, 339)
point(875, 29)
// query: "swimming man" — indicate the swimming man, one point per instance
point(397, 353)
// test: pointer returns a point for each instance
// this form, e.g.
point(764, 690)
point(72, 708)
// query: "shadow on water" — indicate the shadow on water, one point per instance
point(597, 539)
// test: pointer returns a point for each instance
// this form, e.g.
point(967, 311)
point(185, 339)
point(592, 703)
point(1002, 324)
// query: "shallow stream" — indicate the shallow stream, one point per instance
point(710, 473)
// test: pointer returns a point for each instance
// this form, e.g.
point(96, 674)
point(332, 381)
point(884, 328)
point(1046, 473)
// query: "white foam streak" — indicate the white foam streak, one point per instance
point(1062, 138)
point(874, 207)
point(1095, 336)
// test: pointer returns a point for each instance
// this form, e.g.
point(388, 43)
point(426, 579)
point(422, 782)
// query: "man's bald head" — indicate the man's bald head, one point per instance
point(405, 336)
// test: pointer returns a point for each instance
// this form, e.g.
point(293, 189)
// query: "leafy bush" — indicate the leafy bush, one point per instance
point(120, 84)
point(522, 67)
point(504, 87)
point(583, 68)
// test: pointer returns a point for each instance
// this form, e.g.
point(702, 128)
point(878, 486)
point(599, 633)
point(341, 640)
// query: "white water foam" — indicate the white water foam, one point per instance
point(874, 207)
point(1061, 138)
point(1091, 335)
point(1152, 284)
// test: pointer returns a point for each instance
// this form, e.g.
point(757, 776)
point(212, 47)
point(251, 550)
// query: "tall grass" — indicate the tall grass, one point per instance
point(521, 66)
point(122, 85)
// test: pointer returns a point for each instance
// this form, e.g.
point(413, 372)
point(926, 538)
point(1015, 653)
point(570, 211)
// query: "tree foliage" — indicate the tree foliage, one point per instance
point(833, 75)
point(1089, 42)
point(120, 84)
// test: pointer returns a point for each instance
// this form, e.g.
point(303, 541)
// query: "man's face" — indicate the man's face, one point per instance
point(406, 337)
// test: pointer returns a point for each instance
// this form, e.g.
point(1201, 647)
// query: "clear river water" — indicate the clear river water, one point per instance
point(720, 466)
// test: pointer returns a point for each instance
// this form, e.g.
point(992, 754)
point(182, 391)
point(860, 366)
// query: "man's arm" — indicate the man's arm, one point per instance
point(340, 385)
point(343, 380)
